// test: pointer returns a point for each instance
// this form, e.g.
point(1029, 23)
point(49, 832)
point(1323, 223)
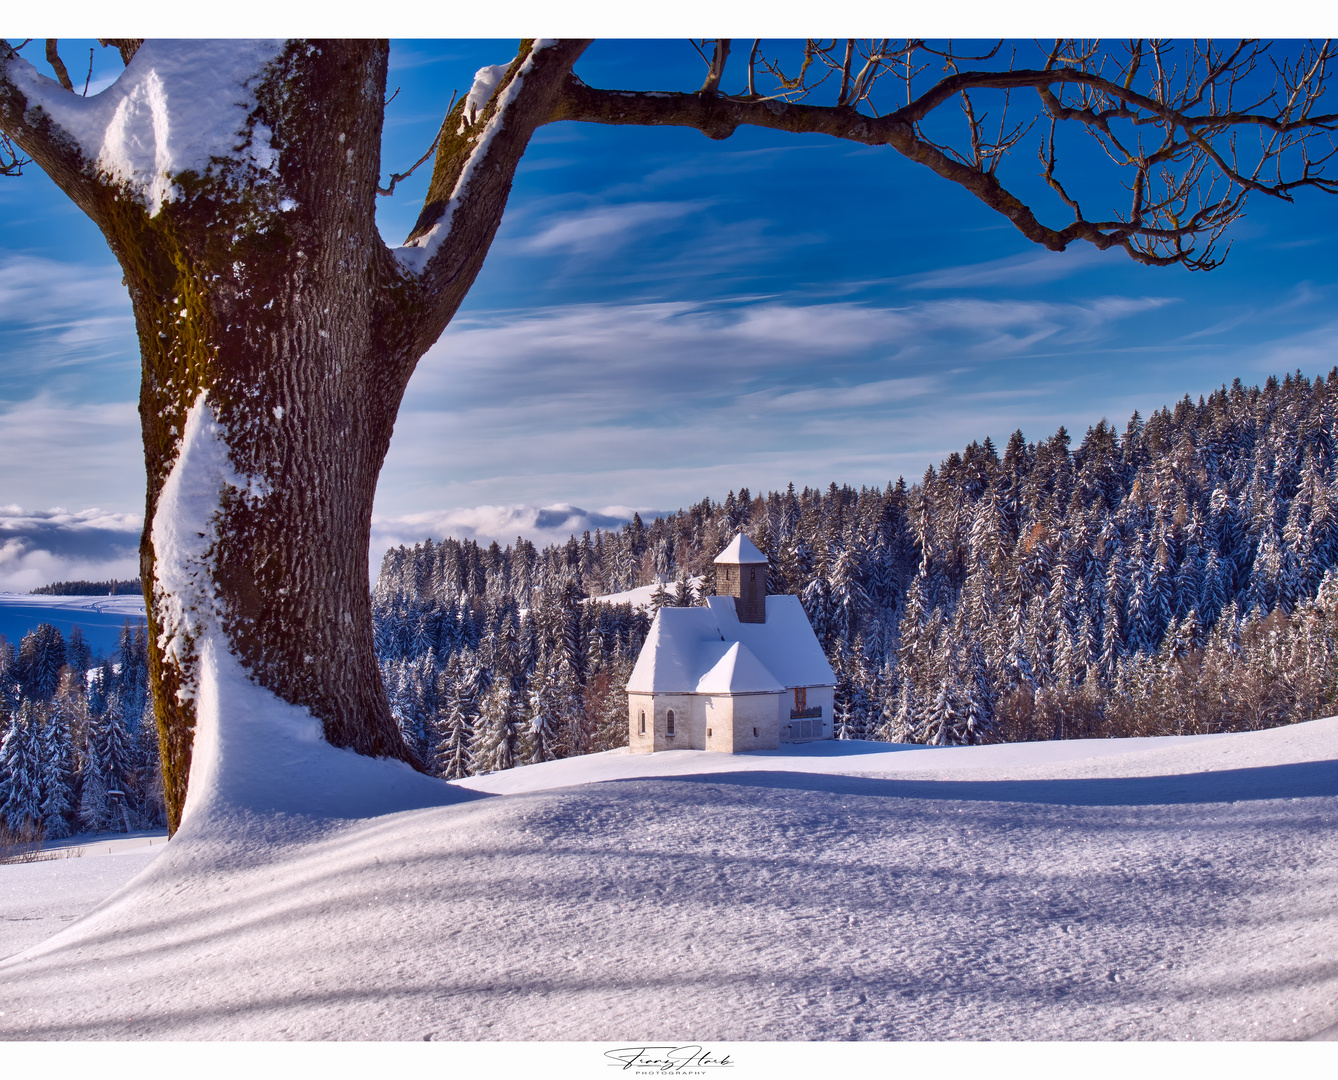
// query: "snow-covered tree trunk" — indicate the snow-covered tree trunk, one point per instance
point(236, 184)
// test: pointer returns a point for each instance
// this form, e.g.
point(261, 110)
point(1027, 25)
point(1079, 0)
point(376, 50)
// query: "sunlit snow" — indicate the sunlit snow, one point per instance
point(1106, 889)
point(177, 105)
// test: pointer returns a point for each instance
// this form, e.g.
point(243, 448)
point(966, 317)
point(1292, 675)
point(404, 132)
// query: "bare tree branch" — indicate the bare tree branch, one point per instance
point(1166, 116)
point(717, 68)
point(58, 65)
point(395, 178)
point(41, 139)
point(11, 160)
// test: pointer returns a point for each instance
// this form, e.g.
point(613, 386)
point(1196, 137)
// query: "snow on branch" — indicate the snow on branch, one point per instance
point(481, 103)
point(179, 106)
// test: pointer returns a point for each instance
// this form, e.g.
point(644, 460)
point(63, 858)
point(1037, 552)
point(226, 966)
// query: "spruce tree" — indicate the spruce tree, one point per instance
point(57, 780)
point(21, 771)
point(454, 725)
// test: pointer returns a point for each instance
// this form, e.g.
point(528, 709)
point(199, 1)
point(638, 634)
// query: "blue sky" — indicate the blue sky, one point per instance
point(665, 317)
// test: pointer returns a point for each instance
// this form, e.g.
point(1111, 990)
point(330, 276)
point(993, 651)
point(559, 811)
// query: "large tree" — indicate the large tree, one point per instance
point(236, 184)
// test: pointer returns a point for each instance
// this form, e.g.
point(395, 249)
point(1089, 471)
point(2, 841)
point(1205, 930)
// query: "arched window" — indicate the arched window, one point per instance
point(669, 725)
point(643, 721)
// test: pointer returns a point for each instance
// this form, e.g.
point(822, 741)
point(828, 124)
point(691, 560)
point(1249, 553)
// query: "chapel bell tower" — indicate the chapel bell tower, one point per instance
point(741, 572)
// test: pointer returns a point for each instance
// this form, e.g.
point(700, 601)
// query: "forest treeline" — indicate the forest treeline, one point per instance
point(114, 587)
point(80, 745)
point(1173, 578)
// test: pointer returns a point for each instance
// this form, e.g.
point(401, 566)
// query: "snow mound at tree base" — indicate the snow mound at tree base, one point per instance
point(1153, 902)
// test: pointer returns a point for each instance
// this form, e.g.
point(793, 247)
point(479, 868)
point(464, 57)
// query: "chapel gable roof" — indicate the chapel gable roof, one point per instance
point(706, 650)
point(738, 671)
point(785, 643)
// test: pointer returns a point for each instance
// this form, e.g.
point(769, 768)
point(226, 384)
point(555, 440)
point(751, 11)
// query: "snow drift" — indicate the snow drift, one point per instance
point(1146, 889)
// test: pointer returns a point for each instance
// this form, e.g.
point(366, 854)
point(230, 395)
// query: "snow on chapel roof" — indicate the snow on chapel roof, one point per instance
point(706, 650)
point(738, 672)
point(741, 550)
point(785, 643)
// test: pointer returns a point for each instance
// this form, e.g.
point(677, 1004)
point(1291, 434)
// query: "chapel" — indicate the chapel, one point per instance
point(745, 672)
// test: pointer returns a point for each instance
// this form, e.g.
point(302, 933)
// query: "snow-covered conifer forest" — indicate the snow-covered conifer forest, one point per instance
point(1173, 578)
point(74, 728)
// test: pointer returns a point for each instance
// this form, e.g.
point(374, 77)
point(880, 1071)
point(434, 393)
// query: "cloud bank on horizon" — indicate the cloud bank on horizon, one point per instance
point(44, 546)
point(541, 525)
point(39, 547)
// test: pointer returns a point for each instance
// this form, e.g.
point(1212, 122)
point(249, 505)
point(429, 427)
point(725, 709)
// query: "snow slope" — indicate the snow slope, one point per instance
point(640, 597)
point(1123, 889)
point(40, 899)
point(99, 617)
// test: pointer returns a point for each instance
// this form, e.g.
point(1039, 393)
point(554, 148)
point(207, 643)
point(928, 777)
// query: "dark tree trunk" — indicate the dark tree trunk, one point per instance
point(279, 315)
point(267, 297)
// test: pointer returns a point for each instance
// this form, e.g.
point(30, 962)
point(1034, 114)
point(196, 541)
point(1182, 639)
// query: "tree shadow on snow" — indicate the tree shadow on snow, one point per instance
point(1297, 780)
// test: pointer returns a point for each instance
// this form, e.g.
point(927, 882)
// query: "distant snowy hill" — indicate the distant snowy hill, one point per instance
point(99, 617)
point(1168, 888)
point(640, 597)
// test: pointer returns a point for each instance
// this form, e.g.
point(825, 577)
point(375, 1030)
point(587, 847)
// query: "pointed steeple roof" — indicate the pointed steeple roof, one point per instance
point(741, 550)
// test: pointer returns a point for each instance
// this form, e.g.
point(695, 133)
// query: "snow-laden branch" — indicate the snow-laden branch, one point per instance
point(417, 252)
point(178, 107)
point(481, 144)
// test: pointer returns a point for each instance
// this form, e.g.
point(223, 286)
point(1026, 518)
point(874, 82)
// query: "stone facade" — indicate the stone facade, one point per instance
point(687, 731)
point(729, 723)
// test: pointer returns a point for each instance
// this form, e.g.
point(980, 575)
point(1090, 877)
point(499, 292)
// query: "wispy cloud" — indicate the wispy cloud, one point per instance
point(1313, 351)
point(650, 356)
point(42, 293)
point(659, 404)
point(604, 227)
point(68, 322)
point(870, 395)
point(81, 454)
point(1035, 268)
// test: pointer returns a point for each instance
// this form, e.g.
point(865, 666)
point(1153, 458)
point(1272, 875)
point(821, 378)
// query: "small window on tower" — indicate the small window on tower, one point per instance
point(754, 733)
point(669, 723)
point(643, 721)
point(752, 574)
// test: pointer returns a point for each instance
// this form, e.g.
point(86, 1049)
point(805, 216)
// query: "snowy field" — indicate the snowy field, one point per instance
point(40, 899)
point(99, 617)
point(1124, 889)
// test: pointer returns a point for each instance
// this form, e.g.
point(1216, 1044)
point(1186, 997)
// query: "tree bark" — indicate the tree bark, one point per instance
point(280, 316)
